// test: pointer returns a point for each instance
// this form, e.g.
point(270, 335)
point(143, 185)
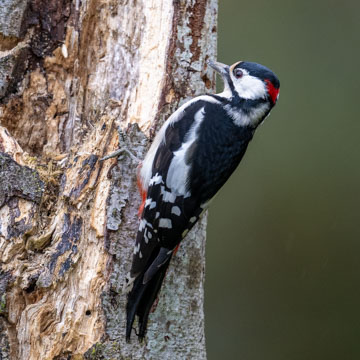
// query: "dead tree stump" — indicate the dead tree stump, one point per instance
point(71, 72)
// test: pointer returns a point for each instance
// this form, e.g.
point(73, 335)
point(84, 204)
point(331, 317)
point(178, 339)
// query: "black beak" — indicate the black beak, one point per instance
point(222, 69)
point(224, 72)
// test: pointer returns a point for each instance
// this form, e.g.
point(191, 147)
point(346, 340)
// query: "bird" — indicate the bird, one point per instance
point(192, 156)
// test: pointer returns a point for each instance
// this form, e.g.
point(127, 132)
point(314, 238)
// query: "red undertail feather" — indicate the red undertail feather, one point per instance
point(142, 191)
point(176, 249)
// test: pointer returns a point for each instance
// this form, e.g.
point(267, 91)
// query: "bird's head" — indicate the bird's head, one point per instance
point(248, 80)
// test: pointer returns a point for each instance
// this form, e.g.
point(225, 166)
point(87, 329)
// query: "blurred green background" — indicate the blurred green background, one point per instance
point(283, 249)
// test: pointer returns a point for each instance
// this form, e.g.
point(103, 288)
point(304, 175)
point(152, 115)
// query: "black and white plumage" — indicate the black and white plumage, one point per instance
point(191, 158)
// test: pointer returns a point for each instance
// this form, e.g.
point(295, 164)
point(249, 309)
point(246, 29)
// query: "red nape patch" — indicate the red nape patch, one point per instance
point(272, 90)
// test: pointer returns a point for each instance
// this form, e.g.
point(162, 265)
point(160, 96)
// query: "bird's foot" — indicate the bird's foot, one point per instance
point(123, 149)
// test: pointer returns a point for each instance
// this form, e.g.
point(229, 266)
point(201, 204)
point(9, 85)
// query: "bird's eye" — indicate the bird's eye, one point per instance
point(238, 73)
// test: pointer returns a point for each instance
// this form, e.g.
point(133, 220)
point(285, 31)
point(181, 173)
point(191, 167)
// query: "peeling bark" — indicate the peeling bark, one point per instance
point(70, 74)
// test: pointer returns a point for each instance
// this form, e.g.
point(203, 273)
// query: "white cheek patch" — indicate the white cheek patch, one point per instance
point(249, 87)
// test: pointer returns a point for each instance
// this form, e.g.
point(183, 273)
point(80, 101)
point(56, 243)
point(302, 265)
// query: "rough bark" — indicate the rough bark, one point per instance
point(71, 72)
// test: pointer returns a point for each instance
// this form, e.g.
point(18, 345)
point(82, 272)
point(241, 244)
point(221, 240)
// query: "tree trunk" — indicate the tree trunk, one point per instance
point(71, 72)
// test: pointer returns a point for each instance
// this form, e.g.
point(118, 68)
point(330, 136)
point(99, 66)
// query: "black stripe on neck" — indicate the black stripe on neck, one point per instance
point(246, 105)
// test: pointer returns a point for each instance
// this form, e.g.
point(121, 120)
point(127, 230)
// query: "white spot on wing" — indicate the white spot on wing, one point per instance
point(144, 223)
point(167, 196)
point(176, 210)
point(193, 219)
point(155, 180)
point(136, 249)
point(150, 203)
point(165, 223)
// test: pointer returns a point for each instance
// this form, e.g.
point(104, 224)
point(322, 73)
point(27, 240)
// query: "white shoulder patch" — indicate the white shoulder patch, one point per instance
point(250, 87)
point(178, 172)
point(146, 168)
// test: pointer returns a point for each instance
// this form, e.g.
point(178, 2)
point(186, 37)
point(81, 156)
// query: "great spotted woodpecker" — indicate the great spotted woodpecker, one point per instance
point(190, 159)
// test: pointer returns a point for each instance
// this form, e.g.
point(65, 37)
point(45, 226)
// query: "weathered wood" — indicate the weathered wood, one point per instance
point(70, 74)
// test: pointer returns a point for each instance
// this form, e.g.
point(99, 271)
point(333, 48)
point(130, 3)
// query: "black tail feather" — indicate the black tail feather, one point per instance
point(134, 298)
point(141, 299)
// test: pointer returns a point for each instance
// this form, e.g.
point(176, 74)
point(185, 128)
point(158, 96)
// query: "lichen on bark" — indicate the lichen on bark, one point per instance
point(75, 72)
